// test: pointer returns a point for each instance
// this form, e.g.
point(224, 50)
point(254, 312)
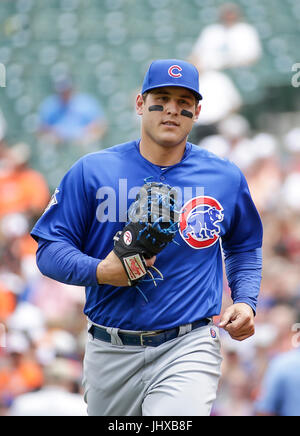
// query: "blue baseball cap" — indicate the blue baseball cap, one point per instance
point(172, 72)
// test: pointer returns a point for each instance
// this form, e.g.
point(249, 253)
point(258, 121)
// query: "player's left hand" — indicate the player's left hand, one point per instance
point(238, 321)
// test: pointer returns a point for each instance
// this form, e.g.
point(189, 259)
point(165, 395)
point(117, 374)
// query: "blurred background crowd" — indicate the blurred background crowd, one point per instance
point(73, 69)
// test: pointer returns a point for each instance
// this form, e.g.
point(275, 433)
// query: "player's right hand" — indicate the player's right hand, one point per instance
point(110, 270)
point(238, 321)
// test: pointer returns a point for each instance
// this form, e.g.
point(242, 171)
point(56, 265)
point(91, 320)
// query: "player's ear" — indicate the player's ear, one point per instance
point(197, 113)
point(139, 104)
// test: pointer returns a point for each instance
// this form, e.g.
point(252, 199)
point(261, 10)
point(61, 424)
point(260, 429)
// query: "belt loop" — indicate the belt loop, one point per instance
point(114, 337)
point(184, 329)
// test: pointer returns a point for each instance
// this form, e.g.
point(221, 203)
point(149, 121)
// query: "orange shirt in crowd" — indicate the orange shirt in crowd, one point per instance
point(23, 190)
point(7, 303)
point(26, 246)
point(25, 377)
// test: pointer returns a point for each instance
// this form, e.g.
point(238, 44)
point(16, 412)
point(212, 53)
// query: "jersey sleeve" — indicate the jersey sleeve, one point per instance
point(245, 231)
point(67, 216)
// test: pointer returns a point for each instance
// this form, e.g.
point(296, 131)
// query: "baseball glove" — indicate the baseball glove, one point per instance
point(152, 226)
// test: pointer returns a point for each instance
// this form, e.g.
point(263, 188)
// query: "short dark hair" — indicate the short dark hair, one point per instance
point(145, 95)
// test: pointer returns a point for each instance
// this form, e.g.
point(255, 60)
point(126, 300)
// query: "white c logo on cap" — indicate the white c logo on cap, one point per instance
point(171, 71)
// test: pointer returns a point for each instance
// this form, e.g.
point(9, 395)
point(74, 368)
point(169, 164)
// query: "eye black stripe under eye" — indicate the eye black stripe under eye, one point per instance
point(187, 113)
point(156, 107)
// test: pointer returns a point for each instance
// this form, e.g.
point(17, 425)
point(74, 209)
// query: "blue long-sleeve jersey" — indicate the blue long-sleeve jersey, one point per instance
point(216, 213)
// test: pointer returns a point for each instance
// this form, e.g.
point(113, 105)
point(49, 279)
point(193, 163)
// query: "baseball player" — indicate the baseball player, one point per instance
point(152, 347)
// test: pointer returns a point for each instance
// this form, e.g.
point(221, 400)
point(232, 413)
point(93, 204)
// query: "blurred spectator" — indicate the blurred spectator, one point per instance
point(14, 243)
point(2, 129)
point(56, 398)
point(27, 319)
point(280, 393)
point(216, 144)
point(8, 302)
point(55, 300)
point(221, 99)
point(257, 155)
point(236, 130)
point(290, 192)
point(232, 141)
point(232, 133)
point(22, 189)
point(228, 44)
point(19, 371)
point(69, 116)
point(238, 395)
point(3, 144)
point(281, 317)
point(265, 175)
point(292, 146)
point(24, 195)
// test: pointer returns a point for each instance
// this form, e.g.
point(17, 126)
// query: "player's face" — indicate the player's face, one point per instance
point(168, 115)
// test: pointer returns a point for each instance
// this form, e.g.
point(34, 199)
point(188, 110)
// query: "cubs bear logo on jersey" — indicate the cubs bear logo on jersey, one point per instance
point(198, 222)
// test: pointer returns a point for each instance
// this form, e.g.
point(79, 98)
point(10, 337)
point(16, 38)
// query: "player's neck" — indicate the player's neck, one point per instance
point(162, 155)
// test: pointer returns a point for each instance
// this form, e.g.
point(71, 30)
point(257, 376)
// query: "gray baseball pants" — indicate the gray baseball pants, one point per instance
point(178, 378)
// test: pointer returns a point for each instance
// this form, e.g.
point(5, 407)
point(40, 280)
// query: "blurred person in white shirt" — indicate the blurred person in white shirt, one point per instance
point(230, 43)
point(55, 398)
point(222, 100)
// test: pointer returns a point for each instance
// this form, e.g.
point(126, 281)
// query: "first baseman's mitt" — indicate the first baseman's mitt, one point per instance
point(152, 225)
